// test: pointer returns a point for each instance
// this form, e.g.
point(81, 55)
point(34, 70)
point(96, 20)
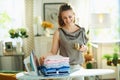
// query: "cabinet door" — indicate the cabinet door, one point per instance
point(42, 45)
point(11, 63)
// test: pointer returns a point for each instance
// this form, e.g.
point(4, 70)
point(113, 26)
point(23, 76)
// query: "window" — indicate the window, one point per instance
point(11, 16)
point(100, 17)
point(104, 20)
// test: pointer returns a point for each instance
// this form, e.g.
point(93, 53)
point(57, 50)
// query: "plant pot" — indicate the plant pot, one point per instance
point(89, 65)
point(115, 62)
point(118, 60)
point(18, 48)
point(47, 32)
point(109, 62)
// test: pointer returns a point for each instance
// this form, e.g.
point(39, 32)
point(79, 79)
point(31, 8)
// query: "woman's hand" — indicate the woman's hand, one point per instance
point(41, 60)
point(83, 48)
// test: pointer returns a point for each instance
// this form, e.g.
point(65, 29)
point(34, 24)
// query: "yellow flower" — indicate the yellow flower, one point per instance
point(46, 24)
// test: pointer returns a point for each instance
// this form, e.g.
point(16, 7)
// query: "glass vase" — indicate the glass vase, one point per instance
point(47, 32)
point(18, 42)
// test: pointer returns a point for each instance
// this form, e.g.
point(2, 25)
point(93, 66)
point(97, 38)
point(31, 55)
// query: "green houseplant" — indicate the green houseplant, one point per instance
point(115, 59)
point(88, 55)
point(108, 57)
point(18, 35)
point(19, 32)
point(115, 55)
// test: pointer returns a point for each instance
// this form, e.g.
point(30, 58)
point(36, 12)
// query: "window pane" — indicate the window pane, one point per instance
point(108, 29)
point(11, 16)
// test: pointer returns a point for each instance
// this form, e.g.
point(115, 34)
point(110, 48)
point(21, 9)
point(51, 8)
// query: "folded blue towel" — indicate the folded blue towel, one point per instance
point(65, 70)
point(55, 73)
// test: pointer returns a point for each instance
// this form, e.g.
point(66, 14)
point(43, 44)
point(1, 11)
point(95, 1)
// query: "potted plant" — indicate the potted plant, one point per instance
point(115, 55)
point(18, 35)
point(20, 32)
point(108, 57)
point(88, 57)
point(115, 59)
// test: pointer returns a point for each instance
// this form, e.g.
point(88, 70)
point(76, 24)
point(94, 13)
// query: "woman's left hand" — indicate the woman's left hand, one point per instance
point(83, 48)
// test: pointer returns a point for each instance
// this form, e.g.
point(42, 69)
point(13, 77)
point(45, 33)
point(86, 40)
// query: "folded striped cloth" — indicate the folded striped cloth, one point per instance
point(65, 70)
point(56, 61)
point(55, 65)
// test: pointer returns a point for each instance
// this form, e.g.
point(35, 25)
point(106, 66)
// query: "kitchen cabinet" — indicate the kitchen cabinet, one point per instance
point(11, 63)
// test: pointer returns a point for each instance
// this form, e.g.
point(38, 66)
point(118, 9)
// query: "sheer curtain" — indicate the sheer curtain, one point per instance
point(12, 15)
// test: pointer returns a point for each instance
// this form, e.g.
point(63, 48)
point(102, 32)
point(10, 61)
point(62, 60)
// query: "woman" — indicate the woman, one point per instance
point(69, 39)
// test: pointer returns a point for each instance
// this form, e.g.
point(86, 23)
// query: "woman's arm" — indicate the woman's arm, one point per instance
point(55, 43)
point(54, 49)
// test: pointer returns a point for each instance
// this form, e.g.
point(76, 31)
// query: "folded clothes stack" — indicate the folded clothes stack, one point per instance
point(55, 65)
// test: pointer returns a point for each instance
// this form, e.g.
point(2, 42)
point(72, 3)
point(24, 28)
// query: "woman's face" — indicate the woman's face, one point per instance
point(68, 17)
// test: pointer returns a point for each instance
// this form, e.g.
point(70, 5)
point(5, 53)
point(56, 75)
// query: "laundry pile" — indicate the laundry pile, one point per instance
point(55, 65)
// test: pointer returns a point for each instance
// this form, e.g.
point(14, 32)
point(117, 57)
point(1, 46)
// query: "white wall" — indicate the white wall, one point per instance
point(38, 6)
point(81, 8)
point(38, 11)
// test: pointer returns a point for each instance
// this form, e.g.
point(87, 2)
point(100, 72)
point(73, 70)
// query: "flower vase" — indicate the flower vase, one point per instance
point(18, 48)
point(18, 45)
point(47, 32)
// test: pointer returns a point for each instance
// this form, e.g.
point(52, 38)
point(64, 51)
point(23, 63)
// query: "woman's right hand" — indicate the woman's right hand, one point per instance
point(41, 60)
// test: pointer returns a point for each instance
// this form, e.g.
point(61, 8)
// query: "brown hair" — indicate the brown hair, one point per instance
point(62, 8)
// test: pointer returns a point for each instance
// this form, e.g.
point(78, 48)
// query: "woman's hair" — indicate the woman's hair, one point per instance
point(62, 8)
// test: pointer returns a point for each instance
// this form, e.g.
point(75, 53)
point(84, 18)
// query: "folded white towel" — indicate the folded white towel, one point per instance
point(56, 57)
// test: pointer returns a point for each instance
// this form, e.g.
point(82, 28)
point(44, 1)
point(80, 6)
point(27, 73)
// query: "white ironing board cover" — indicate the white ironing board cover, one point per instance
point(81, 72)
